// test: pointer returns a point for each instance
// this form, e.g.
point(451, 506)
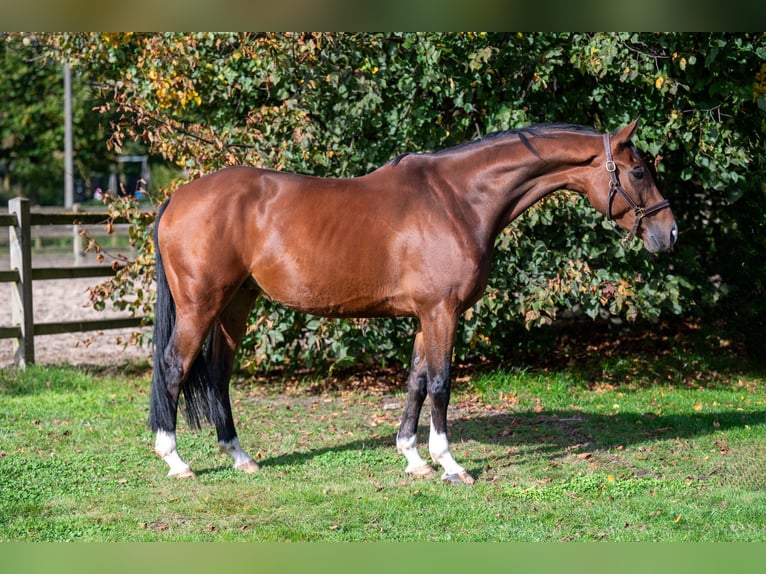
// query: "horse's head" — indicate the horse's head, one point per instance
point(624, 189)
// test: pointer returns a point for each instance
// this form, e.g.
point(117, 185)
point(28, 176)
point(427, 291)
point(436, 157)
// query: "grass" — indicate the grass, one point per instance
point(596, 451)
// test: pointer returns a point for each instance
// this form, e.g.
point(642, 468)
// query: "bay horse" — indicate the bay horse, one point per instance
point(413, 238)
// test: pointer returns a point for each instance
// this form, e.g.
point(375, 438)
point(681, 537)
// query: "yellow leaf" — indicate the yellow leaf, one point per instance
point(698, 407)
point(677, 519)
point(658, 82)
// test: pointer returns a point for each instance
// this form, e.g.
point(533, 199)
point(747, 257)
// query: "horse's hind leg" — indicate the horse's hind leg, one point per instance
point(175, 362)
point(225, 337)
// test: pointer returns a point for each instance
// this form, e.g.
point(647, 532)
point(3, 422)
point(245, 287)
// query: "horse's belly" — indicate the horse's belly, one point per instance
point(333, 293)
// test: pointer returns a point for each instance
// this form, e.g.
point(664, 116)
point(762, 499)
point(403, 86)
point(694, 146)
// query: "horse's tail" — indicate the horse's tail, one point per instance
point(201, 396)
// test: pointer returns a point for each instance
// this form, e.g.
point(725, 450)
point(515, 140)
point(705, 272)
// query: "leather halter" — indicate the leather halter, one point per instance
point(614, 186)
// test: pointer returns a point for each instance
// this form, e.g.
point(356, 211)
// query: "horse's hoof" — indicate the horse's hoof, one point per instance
point(424, 471)
point(249, 467)
point(186, 473)
point(458, 478)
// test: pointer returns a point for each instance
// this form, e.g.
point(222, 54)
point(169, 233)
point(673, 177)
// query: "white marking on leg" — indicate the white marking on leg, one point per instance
point(408, 447)
point(242, 460)
point(438, 446)
point(165, 447)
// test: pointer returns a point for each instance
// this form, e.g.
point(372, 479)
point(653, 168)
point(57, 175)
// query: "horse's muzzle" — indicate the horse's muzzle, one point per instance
point(656, 241)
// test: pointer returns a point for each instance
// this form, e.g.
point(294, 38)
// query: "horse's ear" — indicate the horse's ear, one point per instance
point(623, 136)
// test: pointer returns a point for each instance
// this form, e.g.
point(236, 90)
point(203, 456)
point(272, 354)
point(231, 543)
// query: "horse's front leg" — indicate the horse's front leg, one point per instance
point(406, 438)
point(439, 338)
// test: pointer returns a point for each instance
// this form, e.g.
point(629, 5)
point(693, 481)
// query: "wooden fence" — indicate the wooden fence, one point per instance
point(21, 274)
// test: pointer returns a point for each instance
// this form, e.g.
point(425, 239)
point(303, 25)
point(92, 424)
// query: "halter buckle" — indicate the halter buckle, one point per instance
point(611, 167)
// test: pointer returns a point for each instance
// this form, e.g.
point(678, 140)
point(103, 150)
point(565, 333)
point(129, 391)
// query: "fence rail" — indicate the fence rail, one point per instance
point(20, 221)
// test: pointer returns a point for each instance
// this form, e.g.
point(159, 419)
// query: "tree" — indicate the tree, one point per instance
point(32, 124)
point(343, 104)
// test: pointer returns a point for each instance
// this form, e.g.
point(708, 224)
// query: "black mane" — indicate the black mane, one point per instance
point(543, 130)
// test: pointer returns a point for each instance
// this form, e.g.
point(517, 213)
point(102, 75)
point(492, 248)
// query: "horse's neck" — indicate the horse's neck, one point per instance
point(502, 180)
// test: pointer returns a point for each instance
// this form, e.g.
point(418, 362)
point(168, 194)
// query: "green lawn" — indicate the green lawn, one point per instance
point(596, 451)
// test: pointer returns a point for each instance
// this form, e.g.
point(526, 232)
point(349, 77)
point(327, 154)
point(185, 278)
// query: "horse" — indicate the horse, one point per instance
point(413, 238)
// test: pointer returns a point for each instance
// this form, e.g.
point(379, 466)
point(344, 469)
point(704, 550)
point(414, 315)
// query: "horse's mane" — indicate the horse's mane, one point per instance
point(543, 130)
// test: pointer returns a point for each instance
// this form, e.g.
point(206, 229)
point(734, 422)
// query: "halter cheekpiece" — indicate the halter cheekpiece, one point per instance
point(615, 186)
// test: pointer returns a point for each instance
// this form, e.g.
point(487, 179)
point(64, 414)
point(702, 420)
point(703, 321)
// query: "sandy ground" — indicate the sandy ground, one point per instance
point(67, 300)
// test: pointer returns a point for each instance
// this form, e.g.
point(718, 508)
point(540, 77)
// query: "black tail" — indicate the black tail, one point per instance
point(201, 395)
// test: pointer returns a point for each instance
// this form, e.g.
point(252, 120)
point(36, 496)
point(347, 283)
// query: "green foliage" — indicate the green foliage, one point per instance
point(27, 135)
point(32, 124)
point(343, 104)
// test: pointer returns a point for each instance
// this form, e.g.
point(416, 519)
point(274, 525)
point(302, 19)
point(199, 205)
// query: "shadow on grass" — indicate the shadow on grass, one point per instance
point(552, 434)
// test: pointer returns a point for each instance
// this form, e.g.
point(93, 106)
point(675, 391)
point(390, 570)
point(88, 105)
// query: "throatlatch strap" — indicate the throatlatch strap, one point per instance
point(614, 186)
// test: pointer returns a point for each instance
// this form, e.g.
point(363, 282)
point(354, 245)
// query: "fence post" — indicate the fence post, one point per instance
point(21, 299)
point(79, 254)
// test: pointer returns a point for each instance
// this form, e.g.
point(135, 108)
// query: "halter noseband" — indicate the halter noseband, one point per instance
point(614, 187)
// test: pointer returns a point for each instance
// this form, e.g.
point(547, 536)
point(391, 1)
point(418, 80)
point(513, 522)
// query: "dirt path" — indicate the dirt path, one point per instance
point(67, 300)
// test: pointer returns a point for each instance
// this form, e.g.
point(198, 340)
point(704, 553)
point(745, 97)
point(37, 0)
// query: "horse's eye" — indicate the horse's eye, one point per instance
point(638, 173)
